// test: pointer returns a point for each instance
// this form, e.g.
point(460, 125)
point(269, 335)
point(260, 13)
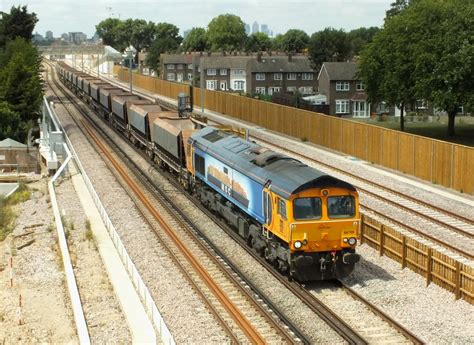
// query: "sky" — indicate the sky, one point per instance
point(308, 15)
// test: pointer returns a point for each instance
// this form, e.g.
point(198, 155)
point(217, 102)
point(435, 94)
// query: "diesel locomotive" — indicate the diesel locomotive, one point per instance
point(302, 220)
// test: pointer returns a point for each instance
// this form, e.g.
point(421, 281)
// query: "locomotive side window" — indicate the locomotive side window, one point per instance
point(307, 208)
point(267, 207)
point(282, 208)
point(199, 163)
point(341, 206)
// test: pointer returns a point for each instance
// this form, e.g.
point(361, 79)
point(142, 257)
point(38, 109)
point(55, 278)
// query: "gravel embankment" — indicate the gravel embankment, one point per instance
point(104, 318)
point(184, 313)
point(38, 277)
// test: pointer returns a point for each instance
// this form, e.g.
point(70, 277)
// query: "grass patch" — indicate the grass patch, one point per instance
point(89, 235)
point(7, 215)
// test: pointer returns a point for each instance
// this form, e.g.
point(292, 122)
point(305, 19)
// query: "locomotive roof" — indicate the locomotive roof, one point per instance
point(288, 175)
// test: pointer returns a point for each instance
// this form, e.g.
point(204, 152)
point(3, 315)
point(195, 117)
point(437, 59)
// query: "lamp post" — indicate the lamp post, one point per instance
point(130, 54)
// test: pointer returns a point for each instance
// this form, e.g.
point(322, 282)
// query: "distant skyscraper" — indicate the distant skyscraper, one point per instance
point(77, 37)
point(247, 29)
point(186, 33)
point(49, 35)
point(255, 28)
point(265, 30)
point(37, 37)
point(65, 37)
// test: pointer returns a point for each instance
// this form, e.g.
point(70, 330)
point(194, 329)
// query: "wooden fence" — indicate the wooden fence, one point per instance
point(439, 162)
point(436, 267)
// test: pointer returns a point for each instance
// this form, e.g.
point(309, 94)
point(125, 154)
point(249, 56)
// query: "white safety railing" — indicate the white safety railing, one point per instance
point(78, 312)
point(138, 283)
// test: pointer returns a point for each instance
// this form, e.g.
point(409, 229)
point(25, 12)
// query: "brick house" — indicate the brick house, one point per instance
point(181, 68)
point(224, 73)
point(270, 74)
point(345, 93)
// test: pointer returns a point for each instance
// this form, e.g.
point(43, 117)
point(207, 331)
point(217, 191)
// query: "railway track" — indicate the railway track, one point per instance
point(357, 330)
point(242, 312)
point(438, 223)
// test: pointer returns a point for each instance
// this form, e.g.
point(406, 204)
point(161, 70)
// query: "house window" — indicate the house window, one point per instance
point(211, 71)
point(274, 89)
point(382, 108)
point(238, 72)
point(421, 104)
point(291, 89)
point(260, 76)
point(190, 76)
point(223, 71)
point(180, 77)
point(211, 84)
point(180, 66)
point(260, 90)
point(342, 106)
point(360, 86)
point(277, 76)
point(291, 76)
point(342, 86)
point(239, 85)
point(171, 77)
point(307, 76)
point(170, 66)
point(305, 90)
point(190, 66)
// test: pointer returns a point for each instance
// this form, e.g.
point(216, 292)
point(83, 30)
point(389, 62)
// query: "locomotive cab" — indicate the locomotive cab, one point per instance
point(320, 227)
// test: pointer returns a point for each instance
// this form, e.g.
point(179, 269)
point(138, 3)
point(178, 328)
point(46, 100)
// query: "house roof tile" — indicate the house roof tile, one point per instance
point(269, 64)
point(341, 70)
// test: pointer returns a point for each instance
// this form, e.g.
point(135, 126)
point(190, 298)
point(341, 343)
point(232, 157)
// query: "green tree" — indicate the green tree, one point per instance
point(329, 45)
point(196, 40)
point(396, 8)
point(17, 23)
point(20, 81)
point(167, 40)
point(443, 40)
point(359, 38)
point(277, 42)
point(258, 41)
point(423, 52)
point(109, 31)
point(294, 41)
point(226, 32)
point(10, 123)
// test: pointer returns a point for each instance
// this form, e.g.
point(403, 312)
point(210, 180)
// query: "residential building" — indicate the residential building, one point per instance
point(345, 93)
point(255, 28)
point(49, 35)
point(181, 68)
point(37, 37)
point(65, 37)
point(271, 74)
point(224, 73)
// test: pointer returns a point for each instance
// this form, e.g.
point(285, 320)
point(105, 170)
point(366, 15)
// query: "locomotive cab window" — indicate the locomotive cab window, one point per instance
point(341, 206)
point(282, 208)
point(307, 208)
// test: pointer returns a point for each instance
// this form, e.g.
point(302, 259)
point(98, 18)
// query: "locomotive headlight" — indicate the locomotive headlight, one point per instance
point(345, 239)
point(352, 241)
point(298, 244)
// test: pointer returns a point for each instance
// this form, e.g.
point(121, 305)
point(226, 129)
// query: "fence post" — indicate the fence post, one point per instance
point(404, 251)
point(382, 230)
point(457, 288)
point(428, 267)
point(361, 232)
